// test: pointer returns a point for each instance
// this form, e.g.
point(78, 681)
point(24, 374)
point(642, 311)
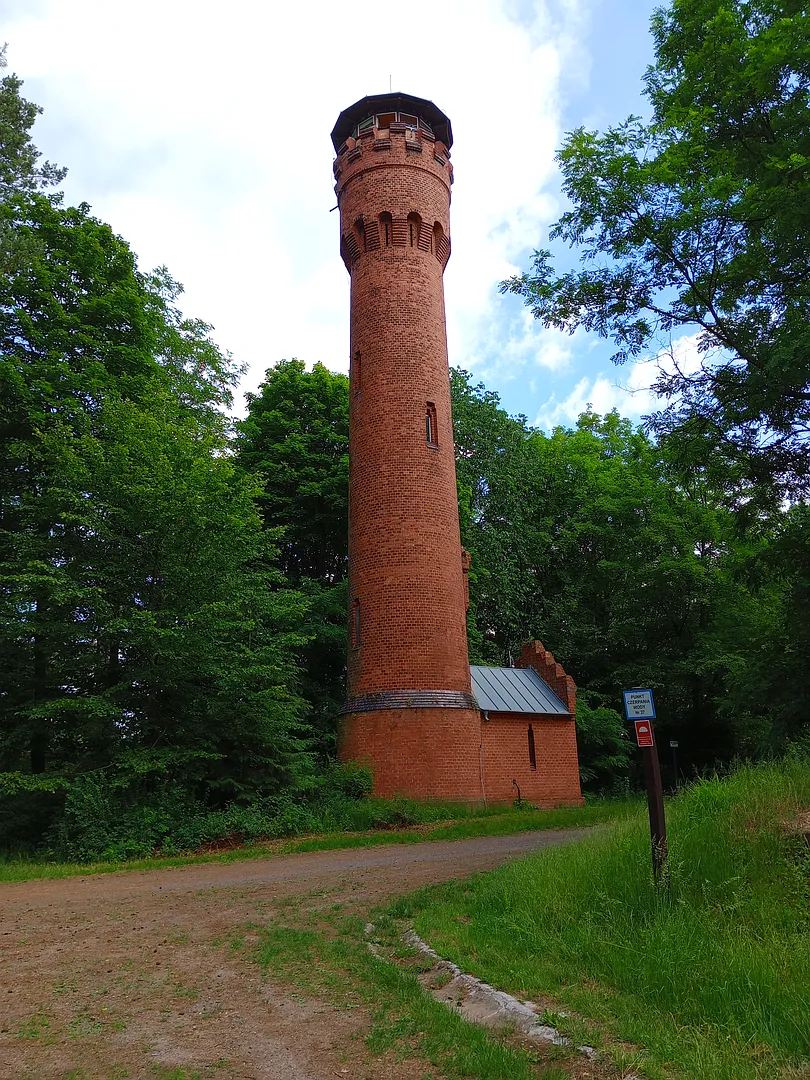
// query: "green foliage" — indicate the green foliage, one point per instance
point(710, 978)
point(765, 649)
point(18, 155)
point(630, 572)
point(604, 748)
point(295, 441)
point(144, 631)
point(20, 171)
point(348, 779)
point(129, 813)
point(295, 438)
point(173, 586)
point(698, 220)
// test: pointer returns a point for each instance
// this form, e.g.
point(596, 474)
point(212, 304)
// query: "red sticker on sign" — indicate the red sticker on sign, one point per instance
point(644, 734)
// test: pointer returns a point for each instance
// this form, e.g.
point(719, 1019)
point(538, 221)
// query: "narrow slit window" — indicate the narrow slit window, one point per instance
point(431, 428)
point(532, 753)
point(356, 624)
point(356, 372)
point(387, 222)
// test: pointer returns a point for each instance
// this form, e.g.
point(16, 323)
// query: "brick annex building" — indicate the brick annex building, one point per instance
point(428, 725)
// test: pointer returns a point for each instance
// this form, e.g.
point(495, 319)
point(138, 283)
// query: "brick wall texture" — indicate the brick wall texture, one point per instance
point(405, 567)
point(407, 580)
point(554, 780)
point(455, 754)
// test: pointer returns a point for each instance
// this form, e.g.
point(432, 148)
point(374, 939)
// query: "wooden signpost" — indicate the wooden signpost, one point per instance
point(640, 708)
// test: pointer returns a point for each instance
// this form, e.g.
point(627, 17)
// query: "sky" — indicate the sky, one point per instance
point(200, 132)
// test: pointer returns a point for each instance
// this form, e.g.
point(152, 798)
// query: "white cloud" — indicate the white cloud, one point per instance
point(201, 133)
point(633, 396)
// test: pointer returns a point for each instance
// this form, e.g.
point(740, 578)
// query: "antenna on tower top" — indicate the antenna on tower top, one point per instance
point(389, 84)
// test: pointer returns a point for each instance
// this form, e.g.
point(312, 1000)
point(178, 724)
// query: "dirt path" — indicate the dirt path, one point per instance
point(129, 975)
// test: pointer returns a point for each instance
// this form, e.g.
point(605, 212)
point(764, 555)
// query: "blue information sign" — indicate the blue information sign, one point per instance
point(638, 704)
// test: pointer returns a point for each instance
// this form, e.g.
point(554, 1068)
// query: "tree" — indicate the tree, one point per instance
point(295, 437)
point(146, 642)
point(19, 168)
point(699, 220)
point(589, 539)
point(295, 441)
point(497, 502)
point(136, 583)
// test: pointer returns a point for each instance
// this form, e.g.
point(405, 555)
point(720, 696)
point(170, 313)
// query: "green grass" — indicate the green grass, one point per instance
point(712, 978)
point(445, 822)
point(326, 958)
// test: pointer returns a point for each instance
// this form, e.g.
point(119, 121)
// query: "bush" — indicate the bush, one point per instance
point(348, 779)
point(130, 813)
point(604, 748)
point(104, 819)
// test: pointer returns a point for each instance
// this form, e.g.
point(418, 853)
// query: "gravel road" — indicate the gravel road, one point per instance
point(124, 975)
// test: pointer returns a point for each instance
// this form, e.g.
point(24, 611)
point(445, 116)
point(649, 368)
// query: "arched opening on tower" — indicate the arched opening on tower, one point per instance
point(438, 238)
point(386, 228)
point(360, 229)
point(414, 228)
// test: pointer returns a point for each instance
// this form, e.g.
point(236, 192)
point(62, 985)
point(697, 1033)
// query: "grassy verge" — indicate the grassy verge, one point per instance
point(459, 823)
point(711, 978)
point(324, 954)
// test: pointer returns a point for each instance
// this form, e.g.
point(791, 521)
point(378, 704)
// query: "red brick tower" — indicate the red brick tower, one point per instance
point(410, 713)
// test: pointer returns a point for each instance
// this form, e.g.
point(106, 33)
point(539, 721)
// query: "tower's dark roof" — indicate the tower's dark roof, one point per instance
point(499, 689)
point(379, 103)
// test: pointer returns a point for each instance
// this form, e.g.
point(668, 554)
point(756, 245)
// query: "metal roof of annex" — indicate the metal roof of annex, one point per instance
point(515, 690)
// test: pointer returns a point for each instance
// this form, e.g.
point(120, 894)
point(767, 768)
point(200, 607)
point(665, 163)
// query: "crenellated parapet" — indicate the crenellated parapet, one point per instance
point(534, 655)
point(406, 169)
point(377, 147)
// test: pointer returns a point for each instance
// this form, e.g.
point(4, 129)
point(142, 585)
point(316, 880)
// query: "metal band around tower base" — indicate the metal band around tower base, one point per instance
point(410, 699)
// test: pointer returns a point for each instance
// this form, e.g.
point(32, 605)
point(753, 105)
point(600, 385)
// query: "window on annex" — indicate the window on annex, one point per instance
point(532, 753)
point(431, 427)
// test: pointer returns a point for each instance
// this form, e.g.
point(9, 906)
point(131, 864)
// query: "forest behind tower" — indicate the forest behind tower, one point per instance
point(172, 581)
